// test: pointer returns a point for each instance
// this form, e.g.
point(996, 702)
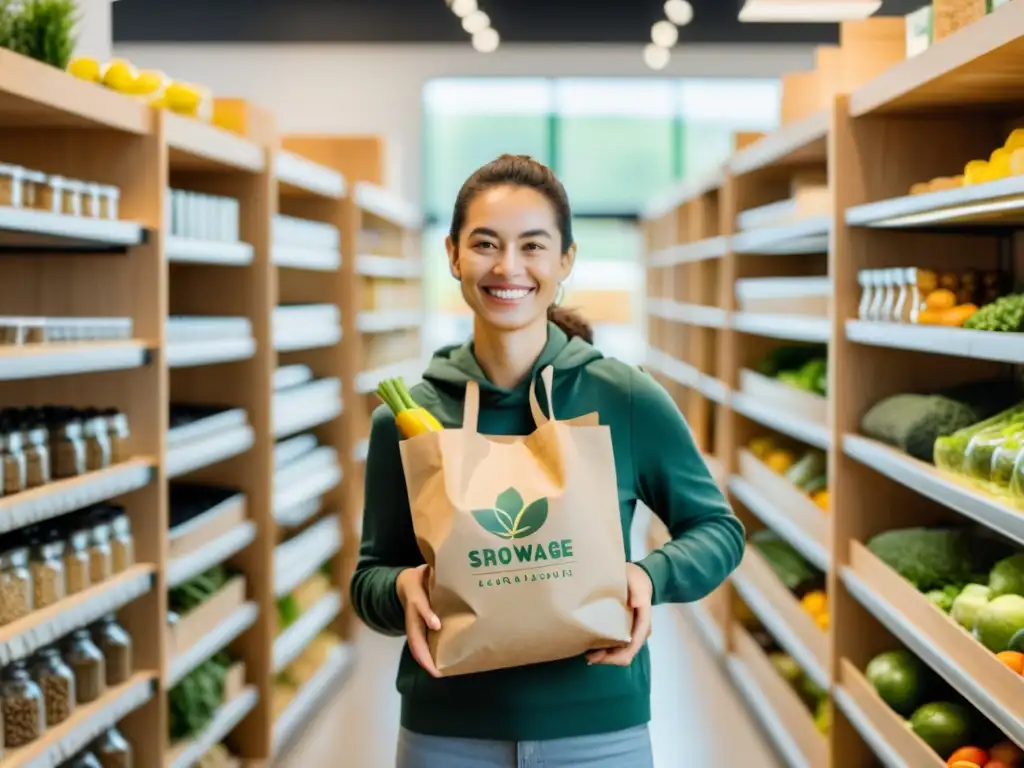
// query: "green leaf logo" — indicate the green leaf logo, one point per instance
point(511, 517)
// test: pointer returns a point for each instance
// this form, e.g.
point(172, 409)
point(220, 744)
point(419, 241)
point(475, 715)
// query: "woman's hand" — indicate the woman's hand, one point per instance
point(411, 586)
point(641, 592)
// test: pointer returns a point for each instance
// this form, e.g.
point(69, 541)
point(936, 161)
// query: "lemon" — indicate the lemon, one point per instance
point(148, 82)
point(183, 98)
point(120, 76)
point(85, 69)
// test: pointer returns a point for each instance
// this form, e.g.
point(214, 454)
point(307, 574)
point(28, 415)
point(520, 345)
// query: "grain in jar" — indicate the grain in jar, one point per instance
point(67, 446)
point(76, 561)
point(87, 663)
point(110, 199)
point(116, 644)
point(122, 542)
point(57, 682)
point(36, 442)
point(113, 750)
point(52, 194)
point(11, 186)
point(32, 188)
point(97, 441)
point(92, 201)
point(46, 562)
point(72, 201)
point(24, 718)
point(16, 598)
point(101, 562)
point(12, 459)
point(118, 432)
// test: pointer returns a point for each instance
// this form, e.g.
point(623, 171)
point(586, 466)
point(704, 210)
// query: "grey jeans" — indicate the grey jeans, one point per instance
point(630, 748)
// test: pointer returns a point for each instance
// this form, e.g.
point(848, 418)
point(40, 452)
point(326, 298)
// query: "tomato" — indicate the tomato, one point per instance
point(968, 755)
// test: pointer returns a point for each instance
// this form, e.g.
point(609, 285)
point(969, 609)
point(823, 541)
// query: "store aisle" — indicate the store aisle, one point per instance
point(698, 719)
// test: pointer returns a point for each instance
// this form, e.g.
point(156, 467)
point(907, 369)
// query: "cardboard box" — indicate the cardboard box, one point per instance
point(194, 625)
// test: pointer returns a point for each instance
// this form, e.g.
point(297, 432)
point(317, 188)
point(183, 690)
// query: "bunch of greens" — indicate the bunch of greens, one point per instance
point(196, 698)
point(1005, 314)
point(191, 594)
point(40, 29)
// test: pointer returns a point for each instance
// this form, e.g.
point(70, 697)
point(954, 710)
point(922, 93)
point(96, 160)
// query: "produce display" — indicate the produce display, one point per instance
point(988, 454)
point(190, 595)
point(196, 698)
point(150, 85)
point(40, 29)
point(968, 574)
point(925, 297)
point(291, 607)
point(293, 677)
point(938, 715)
point(805, 468)
point(803, 367)
point(793, 570)
point(1005, 161)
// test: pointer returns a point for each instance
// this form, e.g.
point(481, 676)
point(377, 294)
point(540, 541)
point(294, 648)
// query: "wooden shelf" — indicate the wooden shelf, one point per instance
point(981, 65)
point(788, 327)
point(996, 203)
point(800, 143)
point(294, 640)
point(41, 361)
point(313, 259)
point(702, 250)
point(190, 250)
point(803, 237)
point(328, 678)
point(298, 176)
point(187, 354)
point(806, 430)
point(225, 720)
point(197, 146)
point(213, 641)
point(41, 230)
point(954, 342)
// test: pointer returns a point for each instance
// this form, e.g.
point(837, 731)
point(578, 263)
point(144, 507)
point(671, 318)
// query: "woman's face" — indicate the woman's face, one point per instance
point(509, 257)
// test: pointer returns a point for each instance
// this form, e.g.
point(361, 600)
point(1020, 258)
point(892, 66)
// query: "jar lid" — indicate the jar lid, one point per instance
point(11, 170)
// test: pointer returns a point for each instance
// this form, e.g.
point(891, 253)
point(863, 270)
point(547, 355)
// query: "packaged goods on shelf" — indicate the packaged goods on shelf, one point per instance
point(192, 422)
point(202, 216)
point(113, 750)
point(949, 16)
point(304, 233)
point(918, 31)
point(789, 295)
point(304, 406)
point(806, 468)
point(305, 318)
point(34, 190)
point(927, 297)
point(202, 435)
point(200, 513)
point(52, 330)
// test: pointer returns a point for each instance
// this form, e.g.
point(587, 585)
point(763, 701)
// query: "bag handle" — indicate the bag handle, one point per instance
point(471, 407)
point(547, 376)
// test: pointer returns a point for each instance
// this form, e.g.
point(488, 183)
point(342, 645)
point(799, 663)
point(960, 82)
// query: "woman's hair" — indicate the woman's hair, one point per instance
point(524, 171)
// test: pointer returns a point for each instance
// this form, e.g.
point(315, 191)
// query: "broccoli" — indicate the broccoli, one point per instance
point(929, 558)
point(912, 423)
point(1004, 315)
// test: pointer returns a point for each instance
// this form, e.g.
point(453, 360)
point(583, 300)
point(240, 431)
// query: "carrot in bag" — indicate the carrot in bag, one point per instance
point(410, 418)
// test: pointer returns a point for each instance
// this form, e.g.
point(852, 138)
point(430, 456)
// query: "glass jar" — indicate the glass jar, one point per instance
point(867, 291)
point(37, 456)
point(16, 599)
point(76, 561)
point(118, 433)
point(97, 442)
point(67, 446)
point(11, 186)
point(57, 682)
point(85, 760)
point(113, 750)
point(116, 644)
point(24, 718)
point(901, 307)
point(12, 457)
point(72, 204)
point(87, 664)
point(110, 198)
point(101, 564)
point(33, 184)
point(122, 543)
point(53, 194)
point(91, 201)
point(46, 563)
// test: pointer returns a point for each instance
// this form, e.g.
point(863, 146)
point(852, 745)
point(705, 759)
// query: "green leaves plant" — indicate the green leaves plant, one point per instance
point(511, 517)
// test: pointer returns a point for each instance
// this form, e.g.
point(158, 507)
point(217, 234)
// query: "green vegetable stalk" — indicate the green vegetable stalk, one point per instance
point(950, 451)
point(40, 29)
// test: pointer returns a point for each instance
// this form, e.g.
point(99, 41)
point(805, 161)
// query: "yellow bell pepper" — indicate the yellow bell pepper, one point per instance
point(410, 418)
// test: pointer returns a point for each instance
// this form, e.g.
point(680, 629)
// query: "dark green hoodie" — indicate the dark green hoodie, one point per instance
point(656, 462)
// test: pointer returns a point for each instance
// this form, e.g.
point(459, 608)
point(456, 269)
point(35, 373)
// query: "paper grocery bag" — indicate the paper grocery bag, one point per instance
point(523, 539)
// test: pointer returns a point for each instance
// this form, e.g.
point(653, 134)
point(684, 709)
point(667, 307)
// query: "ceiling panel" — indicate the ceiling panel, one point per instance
point(430, 21)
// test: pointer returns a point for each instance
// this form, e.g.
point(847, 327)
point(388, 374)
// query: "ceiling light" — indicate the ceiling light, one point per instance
point(656, 56)
point(679, 12)
point(486, 40)
point(477, 21)
point(462, 8)
point(664, 34)
point(813, 11)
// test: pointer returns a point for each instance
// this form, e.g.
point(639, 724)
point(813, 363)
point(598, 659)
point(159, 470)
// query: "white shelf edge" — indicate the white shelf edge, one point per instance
point(308, 175)
point(702, 250)
point(213, 641)
point(931, 654)
point(63, 496)
point(801, 541)
point(186, 354)
point(312, 487)
point(810, 432)
point(37, 361)
point(299, 420)
point(954, 342)
point(789, 327)
point(863, 726)
point(182, 569)
point(936, 485)
point(714, 389)
point(761, 707)
point(87, 723)
point(670, 367)
point(294, 640)
point(386, 320)
point(301, 556)
point(780, 630)
point(411, 370)
point(333, 671)
point(197, 454)
point(300, 339)
point(369, 265)
point(74, 228)
point(190, 250)
point(22, 638)
point(802, 237)
point(297, 257)
point(379, 202)
point(780, 144)
point(225, 720)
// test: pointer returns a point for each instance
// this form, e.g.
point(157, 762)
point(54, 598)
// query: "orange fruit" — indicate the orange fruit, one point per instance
point(1013, 659)
point(968, 755)
point(963, 764)
point(1007, 752)
point(995, 764)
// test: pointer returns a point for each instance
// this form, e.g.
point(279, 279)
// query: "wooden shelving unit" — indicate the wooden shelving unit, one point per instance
point(869, 144)
point(284, 521)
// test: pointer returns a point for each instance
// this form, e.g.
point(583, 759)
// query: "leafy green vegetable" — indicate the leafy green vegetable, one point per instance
point(929, 558)
point(912, 423)
point(191, 594)
point(790, 358)
point(951, 450)
point(41, 29)
point(1004, 315)
point(196, 697)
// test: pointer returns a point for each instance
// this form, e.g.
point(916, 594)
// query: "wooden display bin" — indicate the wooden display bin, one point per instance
point(210, 525)
point(879, 721)
point(197, 623)
point(786, 498)
point(794, 402)
point(787, 707)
